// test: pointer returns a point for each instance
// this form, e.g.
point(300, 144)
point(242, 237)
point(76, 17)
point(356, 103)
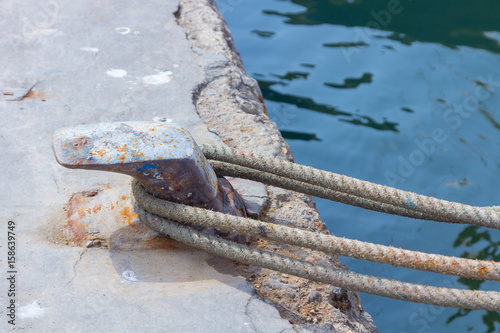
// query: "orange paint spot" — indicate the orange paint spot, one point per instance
point(99, 153)
point(128, 215)
point(122, 157)
point(124, 197)
point(138, 154)
point(122, 149)
point(97, 208)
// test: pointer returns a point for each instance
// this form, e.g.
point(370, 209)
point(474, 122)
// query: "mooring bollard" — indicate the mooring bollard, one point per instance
point(162, 156)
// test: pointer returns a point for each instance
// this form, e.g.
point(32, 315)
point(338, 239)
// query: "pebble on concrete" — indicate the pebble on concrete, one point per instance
point(314, 297)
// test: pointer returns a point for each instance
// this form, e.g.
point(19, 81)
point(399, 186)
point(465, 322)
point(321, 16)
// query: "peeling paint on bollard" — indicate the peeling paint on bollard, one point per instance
point(162, 156)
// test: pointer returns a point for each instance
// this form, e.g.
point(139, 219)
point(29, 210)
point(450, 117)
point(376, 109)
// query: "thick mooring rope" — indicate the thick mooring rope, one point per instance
point(431, 208)
point(474, 269)
point(485, 300)
point(232, 170)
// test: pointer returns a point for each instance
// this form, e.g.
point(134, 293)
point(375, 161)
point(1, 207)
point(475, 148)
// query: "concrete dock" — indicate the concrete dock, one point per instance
point(83, 261)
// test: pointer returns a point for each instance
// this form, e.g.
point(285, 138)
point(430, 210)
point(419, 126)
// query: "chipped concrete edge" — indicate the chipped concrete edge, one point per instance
point(231, 104)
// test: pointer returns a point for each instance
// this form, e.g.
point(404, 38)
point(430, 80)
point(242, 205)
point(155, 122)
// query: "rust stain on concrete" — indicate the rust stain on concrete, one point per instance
point(74, 214)
point(128, 216)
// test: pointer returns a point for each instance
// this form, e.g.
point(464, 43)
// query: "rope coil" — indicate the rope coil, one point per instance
point(156, 213)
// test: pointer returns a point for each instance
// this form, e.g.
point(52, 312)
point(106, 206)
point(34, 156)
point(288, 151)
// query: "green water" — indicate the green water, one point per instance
point(403, 93)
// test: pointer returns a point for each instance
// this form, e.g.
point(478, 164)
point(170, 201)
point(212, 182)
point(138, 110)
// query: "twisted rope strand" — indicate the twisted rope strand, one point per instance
point(476, 269)
point(445, 211)
point(483, 300)
point(233, 170)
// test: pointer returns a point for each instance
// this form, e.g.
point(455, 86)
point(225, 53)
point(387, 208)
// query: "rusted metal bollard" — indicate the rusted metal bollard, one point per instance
point(161, 156)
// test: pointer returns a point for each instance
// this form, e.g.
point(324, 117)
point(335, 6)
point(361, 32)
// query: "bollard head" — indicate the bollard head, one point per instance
point(162, 156)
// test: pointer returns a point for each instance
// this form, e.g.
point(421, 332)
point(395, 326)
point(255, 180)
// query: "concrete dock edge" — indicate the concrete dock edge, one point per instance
point(231, 104)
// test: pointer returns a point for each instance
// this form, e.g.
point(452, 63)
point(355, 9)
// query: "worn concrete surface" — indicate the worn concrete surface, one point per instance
point(84, 262)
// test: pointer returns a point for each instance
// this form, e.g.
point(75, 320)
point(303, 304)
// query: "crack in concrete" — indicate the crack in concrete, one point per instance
point(74, 266)
point(248, 315)
point(55, 182)
point(28, 94)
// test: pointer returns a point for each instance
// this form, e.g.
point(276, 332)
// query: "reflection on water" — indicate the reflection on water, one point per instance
point(351, 83)
point(489, 319)
point(355, 44)
point(292, 135)
point(271, 94)
point(469, 237)
point(290, 76)
point(265, 34)
point(451, 23)
point(490, 118)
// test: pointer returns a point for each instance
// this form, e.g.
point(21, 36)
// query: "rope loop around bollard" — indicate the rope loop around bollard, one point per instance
point(162, 216)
